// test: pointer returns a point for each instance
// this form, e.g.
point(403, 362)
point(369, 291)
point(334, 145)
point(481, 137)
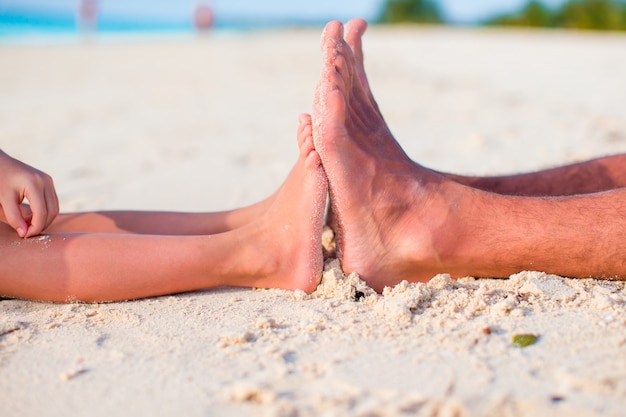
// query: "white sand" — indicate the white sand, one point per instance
point(207, 124)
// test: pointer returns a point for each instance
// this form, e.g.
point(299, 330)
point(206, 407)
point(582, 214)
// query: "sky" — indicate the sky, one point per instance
point(458, 11)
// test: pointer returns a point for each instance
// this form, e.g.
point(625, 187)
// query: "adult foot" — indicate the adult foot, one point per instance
point(390, 215)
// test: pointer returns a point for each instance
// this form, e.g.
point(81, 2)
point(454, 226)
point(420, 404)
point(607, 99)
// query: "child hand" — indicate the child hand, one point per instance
point(18, 182)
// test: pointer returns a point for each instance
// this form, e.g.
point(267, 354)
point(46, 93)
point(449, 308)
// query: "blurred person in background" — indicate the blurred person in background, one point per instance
point(87, 15)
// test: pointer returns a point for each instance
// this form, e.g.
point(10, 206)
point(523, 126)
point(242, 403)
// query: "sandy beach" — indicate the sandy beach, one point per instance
point(208, 123)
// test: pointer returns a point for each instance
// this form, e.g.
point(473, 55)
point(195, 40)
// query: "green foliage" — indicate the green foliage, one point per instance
point(574, 14)
point(593, 14)
point(534, 14)
point(401, 11)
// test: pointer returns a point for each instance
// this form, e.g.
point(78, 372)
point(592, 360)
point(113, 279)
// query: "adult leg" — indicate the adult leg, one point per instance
point(396, 220)
point(586, 177)
point(601, 174)
point(281, 248)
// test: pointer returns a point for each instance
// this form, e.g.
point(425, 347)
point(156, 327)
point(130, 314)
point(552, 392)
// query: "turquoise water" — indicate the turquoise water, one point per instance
point(15, 27)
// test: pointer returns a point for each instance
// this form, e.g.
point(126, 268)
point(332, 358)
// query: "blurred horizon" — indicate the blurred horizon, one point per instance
point(455, 11)
point(45, 17)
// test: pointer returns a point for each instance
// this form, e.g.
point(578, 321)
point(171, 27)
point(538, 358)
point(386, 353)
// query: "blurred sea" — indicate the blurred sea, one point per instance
point(52, 28)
